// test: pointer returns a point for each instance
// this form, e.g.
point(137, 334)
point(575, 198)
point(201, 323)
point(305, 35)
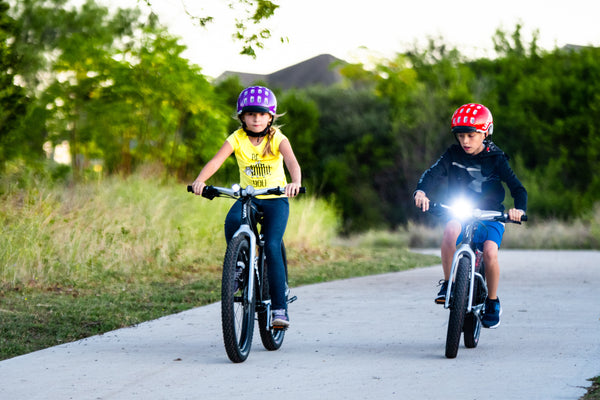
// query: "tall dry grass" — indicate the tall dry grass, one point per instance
point(579, 234)
point(126, 229)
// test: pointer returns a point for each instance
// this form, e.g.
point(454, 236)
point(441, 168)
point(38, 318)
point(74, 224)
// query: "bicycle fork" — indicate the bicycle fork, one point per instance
point(463, 251)
point(245, 230)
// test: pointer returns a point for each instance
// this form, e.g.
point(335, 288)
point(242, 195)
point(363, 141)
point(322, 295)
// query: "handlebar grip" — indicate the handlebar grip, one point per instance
point(208, 192)
point(523, 217)
point(302, 189)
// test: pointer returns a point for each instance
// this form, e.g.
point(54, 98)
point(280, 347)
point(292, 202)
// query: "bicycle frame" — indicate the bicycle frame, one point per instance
point(466, 307)
point(245, 229)
point(249, 229)
point(242, 304)
point(467, 247)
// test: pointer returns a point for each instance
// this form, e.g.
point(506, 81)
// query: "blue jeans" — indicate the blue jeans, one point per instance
point(276, 212)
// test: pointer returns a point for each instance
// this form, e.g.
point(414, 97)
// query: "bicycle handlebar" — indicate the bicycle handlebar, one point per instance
point(210, 192)
point(476, 213)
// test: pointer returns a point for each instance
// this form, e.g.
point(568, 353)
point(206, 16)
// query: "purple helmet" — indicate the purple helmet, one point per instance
point(257, 99)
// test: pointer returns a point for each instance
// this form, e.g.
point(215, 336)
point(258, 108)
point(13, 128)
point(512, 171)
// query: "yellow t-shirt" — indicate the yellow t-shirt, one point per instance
point(256, 170)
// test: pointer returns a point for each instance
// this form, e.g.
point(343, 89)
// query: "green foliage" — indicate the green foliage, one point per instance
point(349, 159)
point(13, 100)
point(117, 88)
point(544, 106)
point(248, 28)
point(118, 100)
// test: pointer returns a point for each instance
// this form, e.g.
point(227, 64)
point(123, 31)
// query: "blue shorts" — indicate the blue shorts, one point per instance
point(486, 230)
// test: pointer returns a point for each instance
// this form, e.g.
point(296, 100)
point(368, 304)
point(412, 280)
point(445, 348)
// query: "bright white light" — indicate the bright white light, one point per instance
point(462, 209)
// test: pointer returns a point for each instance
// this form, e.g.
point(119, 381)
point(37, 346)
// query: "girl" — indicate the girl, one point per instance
point(261, 150)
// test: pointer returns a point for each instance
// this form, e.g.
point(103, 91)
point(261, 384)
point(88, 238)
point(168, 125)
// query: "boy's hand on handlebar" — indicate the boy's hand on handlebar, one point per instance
point(421, 200)
point(292, 189)
point(515, 214)
point(198, 187)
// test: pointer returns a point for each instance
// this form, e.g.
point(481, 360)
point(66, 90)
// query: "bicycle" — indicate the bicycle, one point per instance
point(467, 288)
point(245, 284)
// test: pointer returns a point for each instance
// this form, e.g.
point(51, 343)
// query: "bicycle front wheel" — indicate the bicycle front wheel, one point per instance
point(458, 307)
point(237, 305)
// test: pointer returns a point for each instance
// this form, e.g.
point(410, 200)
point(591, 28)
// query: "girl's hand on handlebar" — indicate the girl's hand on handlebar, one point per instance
point(292, 189)
point(421, 200)
point(515, 214)
point(198, 187)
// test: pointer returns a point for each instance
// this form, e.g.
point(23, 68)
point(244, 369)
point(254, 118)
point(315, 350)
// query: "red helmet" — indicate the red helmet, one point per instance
point(472, 118)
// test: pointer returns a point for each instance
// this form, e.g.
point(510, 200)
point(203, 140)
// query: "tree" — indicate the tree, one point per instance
point(118, 89)
point(248, 28)
point(13, 99)
point(424, 87)
point(350, 154)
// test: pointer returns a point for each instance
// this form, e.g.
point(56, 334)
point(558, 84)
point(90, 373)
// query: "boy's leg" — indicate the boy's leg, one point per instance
point(493, 310)
point(451, 232)
point(492, 267)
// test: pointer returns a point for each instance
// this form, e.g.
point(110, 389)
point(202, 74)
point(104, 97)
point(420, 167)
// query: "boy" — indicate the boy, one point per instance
point(474, 168)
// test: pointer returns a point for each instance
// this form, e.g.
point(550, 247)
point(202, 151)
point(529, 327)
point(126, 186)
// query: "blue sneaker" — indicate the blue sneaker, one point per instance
point(441, 296)
point(492, 313)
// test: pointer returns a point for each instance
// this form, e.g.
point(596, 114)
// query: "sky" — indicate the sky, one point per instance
point(358, 31)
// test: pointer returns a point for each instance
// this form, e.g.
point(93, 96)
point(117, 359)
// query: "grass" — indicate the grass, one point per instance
point(593, 392)
point(80, 261)
point(580, 234)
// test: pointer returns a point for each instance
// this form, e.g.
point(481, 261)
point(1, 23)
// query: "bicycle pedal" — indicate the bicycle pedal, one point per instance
point(280, 328)
point(293, 299)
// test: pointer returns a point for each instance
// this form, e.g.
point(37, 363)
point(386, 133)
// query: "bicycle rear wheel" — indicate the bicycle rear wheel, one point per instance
point(472, 325)
point(237, 307)
point(458, 307)
point(472, 330)
point(272, 339)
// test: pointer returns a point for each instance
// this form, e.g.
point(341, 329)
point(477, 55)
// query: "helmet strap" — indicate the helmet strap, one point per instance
point(257, 134)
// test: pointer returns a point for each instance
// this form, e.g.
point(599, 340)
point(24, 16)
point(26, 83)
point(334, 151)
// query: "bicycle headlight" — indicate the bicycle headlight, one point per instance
point(462, 209)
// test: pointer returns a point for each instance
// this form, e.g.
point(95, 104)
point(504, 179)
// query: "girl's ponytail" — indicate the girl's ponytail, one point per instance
point(268, 150)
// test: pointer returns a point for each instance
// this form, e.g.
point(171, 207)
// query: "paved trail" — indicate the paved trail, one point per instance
point(378, 337)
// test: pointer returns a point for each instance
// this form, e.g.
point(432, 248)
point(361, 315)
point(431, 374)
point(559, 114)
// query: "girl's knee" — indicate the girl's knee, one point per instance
point(273, 248)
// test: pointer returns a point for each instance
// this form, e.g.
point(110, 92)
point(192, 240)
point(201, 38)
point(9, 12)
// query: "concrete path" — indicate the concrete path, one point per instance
point(378, 337)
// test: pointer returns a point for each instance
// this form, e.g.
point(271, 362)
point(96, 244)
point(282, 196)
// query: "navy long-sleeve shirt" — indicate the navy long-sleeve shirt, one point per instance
point(478, 177)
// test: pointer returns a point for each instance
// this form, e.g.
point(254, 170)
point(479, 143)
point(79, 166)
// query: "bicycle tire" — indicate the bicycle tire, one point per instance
point(237, 313)
point(472, 330)
point(272, 339)
point(472, 325)
point(458, 307)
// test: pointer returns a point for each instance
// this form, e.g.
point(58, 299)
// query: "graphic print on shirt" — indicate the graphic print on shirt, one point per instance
point(475, 173)
point(258, 172)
